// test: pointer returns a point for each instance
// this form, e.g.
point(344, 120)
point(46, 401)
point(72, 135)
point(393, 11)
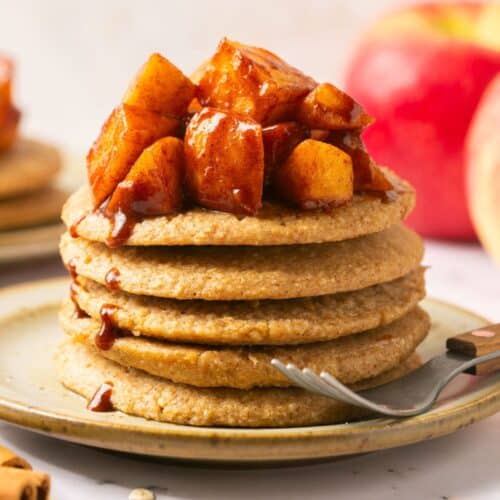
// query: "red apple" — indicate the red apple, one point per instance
point(421, 72)
point(483, 169)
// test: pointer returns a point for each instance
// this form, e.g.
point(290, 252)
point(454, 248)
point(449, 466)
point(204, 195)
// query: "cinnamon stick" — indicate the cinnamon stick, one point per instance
point(9, 459)
point(22, 484)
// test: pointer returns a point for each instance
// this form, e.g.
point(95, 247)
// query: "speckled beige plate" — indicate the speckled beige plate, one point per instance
point(37, 241)
point(42, 240)
point(30, 396)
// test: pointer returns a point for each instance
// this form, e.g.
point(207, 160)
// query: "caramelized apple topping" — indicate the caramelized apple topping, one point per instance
point(367, 176)
point(160, 86)
point(244, 120)
point(224, 161)
point(124, 136)
point(327, 107)
point(315, 175)
point(279, 142)
point(9, 114)
point(253, 82)
point(153, 185)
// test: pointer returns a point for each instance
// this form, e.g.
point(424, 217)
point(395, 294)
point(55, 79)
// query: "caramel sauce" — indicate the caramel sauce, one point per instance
point(108, 332)
point(73, 290)
point(279, 141)
point(112, 279)
point(101, 400)
point(122, 225)
point(136, 199)
point(72, 268)
point(73, 229)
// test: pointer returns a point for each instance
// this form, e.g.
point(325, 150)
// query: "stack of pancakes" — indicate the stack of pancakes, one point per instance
point(27, 193)
point(182, 322)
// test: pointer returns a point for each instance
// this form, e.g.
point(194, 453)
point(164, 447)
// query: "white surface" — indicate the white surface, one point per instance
point(461, 466)
point(75, 59)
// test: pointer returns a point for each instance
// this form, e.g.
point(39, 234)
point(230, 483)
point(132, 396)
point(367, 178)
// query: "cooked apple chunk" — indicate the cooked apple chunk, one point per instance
point(224, 161)
point(315, 175)
point(6, 73)
point(8, 128)
point(279, 142)
point(124, 135)
point(9, 114)
point(367, 176)
point(253, 82)
point(327, 107)
point(160, 86)
point(153, 185)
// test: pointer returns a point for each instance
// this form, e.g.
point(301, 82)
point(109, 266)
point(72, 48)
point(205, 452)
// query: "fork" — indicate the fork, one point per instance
point(476, 352)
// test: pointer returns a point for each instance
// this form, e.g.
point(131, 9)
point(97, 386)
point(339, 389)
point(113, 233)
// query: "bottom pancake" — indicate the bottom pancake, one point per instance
point(350, 359)
point(137, 393)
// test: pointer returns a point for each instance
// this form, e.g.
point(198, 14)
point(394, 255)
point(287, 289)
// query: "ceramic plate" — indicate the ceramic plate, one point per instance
point(43, 240)
point(37, 241)
point(30, 396)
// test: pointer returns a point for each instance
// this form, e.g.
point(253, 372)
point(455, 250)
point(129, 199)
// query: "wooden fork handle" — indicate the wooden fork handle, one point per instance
point(477, 343)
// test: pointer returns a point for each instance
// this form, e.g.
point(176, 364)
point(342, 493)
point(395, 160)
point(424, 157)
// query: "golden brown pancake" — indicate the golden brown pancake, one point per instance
point(350, 359)
point(292, 321)
point(275, 224)
point(248, 273)
point(137, 393)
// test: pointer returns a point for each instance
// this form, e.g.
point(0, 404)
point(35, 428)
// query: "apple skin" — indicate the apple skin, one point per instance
point(423, 91)
point(483, 169)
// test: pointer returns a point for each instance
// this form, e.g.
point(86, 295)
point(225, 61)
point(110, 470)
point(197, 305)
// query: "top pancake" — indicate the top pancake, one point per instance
point(274, 225)
point(27, 167)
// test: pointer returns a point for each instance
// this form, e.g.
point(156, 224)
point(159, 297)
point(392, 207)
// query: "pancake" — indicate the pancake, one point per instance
point(291, 321)
point(248, 273)
point(275, 224)
point(27, 167)
point(137, 393)
point(35, 208)
point(350, 359)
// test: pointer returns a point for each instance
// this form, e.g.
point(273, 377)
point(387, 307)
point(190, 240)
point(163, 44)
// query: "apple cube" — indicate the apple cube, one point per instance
point(153, 185)
point(253, 82)
point(279, 142)
point(315, 175)
point(6, 74)
point(367, 176)
point(8, 128)
point(327, 107)
point(160, 86)
point(224, 161)
point(124, 135)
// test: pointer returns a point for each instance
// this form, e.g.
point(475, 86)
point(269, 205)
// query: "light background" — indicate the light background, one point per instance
point(75, 58)
point(74, 62)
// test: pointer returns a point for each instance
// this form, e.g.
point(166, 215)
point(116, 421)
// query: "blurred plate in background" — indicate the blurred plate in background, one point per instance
point(43, 240)
point(32, 242)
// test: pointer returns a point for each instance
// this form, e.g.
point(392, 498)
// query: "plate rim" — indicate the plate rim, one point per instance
point(367, 435)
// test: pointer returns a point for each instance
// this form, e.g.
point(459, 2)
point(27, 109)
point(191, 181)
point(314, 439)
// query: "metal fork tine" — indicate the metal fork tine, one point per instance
point(410, 395)
point(325, 388)
point(352, 397)
point(314, 381)
point(292, 372)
